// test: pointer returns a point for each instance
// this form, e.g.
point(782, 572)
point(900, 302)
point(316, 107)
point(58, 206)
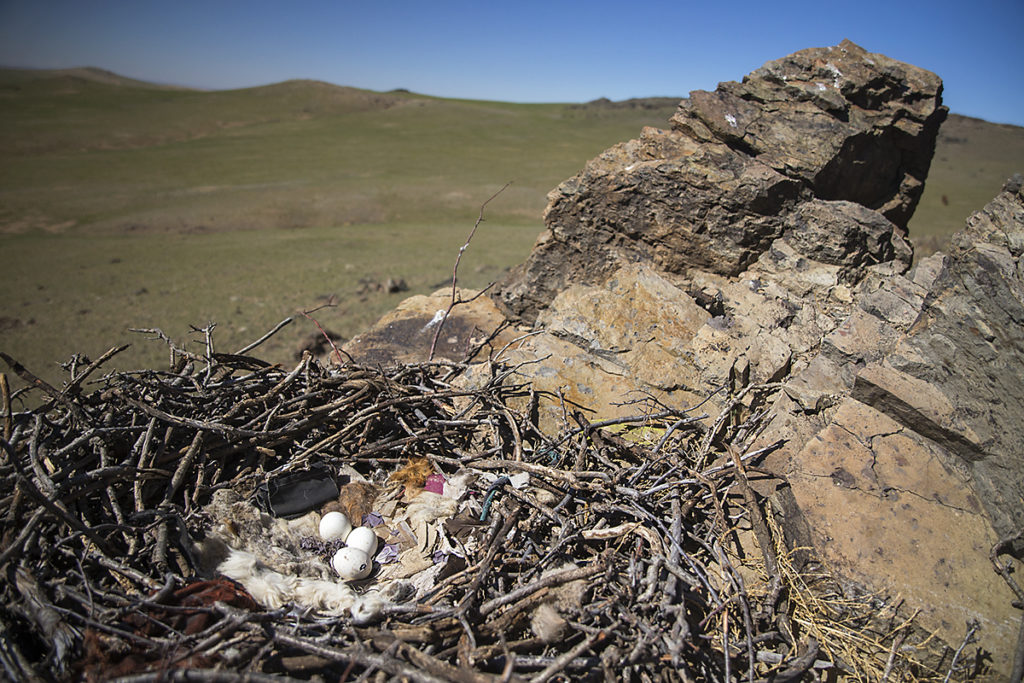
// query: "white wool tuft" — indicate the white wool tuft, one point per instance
point(325, 596)
point(238, 565)
point(367, 609)
point(273, 589)
point(266, 586)
point(459, 483)
point(429, 507)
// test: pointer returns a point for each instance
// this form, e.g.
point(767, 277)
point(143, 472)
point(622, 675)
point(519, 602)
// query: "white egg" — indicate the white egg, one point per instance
point(334, 525)
point(352, 564)
point(363, 538)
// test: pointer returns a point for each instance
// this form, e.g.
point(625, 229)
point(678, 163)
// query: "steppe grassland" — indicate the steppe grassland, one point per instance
point(127, 207)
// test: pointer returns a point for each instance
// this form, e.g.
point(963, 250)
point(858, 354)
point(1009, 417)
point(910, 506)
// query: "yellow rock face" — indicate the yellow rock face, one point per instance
point(896, 514)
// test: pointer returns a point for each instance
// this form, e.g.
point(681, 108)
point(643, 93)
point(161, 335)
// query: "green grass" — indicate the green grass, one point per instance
point(69, 294)
point(128, 205)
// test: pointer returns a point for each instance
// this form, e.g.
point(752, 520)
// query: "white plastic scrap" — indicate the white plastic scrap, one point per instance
point(438, 317)
point(520, 480)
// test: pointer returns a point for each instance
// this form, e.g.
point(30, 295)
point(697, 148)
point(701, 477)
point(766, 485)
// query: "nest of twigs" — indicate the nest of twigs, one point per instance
point(104, 487)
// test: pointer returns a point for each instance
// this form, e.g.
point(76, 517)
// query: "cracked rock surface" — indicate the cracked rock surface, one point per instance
point(893, 512)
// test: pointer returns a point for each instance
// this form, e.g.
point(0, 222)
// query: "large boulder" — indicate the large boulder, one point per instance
point(835, 124)
point(472, 326)
point(663, 198)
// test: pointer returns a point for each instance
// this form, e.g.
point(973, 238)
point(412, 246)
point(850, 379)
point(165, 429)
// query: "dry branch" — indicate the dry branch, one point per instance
point(455, 272)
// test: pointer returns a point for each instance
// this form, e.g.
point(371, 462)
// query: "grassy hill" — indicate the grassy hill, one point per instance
point(105, 158)
point(124, 204)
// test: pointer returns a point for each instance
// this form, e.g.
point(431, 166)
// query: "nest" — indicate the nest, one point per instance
point(607, 551)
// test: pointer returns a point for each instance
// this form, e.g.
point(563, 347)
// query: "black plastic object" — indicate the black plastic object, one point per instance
point(296, 493)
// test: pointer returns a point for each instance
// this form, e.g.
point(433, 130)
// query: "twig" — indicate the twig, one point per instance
point(972, 628)
point(757, 521)
point(553, 579)
point(5, 400)
point(391, 665)
point(337, 351)
point(798, 667)
point(563, 660)
point(896, 643)
point(1018, 657)
point(1004, 570)
point(175, 350)
point(23, 372)
point(455, 272)
point(725, 415)
point(204, 676)
point(23, 535)
point(492, 549)
point(78, 379)
point(246, 349)
point(55, 509)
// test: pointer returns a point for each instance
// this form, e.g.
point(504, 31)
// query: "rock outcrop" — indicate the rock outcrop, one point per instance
point(761, 240)
point(966, 352)
point(835, 124)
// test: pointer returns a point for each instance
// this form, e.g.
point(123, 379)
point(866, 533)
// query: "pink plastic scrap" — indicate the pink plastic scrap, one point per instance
point(435, 484)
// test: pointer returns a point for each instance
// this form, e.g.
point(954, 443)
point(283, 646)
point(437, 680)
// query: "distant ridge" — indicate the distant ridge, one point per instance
point(323, 94)
point(48, 110)
point(305, 93)
point(14, 75)
point(85, 73)
point(632, 103)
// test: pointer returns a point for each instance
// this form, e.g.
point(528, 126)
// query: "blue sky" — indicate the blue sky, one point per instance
point(519, 51)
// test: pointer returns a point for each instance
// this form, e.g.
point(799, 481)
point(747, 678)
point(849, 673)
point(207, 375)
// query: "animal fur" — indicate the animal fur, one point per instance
point(265, 555)
point(274, 589)
point(547, 624)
